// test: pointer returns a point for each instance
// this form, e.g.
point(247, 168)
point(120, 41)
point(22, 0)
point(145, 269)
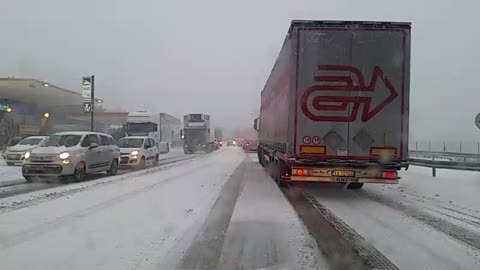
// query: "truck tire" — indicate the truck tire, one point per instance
point(270, 167)
point(277, 173)
point(355, 186)
point(260, 157)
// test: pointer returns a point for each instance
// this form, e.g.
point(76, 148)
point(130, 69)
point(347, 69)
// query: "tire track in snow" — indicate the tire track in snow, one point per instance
point(206, 248)
point(343, 246)
point(21, 188)
point(46, 227)
point(455, 231)
point(72, 189)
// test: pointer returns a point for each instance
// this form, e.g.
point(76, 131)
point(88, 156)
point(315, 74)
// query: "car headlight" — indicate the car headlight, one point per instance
point(27, 155)
point(203, 145)
point(134, 153)
point(64, 155)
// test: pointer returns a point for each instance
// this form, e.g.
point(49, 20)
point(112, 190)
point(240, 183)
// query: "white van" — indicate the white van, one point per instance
point(71, 156)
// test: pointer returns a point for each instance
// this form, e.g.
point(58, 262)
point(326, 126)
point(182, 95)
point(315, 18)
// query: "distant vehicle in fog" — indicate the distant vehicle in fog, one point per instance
point(250, 145)
point(219, 136)
point(231, 143)
point(198, 134)
point(16, 154)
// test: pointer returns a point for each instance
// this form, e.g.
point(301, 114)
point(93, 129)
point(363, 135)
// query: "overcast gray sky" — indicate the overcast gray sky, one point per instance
point(214, 56)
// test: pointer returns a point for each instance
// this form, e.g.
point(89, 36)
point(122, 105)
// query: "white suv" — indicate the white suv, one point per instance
point(137, 152)
point(72, 155)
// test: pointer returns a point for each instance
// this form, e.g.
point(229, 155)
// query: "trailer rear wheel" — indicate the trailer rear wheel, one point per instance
point(279, 181)
point(277, 173)
point(355, 186)
point(260, 157)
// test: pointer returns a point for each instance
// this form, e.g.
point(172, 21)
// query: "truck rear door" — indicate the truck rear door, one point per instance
point(352, 91)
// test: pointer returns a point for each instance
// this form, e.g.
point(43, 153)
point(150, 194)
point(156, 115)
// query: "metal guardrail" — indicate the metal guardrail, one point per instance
point(443, 154)
point(441, 164)
point(454, 161)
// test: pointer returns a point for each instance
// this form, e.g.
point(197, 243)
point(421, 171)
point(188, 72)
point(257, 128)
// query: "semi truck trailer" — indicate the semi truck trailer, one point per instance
point(335, 107)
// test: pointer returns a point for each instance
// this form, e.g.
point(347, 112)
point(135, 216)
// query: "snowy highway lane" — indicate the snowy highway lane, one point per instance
point(422, 223)
point(156, 220)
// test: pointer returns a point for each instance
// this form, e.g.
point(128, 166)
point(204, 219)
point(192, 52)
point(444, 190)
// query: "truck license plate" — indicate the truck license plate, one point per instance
point(343, 173)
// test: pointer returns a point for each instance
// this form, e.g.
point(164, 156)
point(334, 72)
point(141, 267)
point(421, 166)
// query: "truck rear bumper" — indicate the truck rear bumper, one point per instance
point(341, 180)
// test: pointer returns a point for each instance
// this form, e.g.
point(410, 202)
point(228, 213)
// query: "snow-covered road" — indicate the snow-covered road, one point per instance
point(151, 220)
point(223, 211)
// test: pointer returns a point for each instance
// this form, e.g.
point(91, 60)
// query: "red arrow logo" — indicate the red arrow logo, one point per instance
point(340, 103)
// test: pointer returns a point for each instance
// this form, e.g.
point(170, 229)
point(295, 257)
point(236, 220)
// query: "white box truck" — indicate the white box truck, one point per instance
point(162, 127)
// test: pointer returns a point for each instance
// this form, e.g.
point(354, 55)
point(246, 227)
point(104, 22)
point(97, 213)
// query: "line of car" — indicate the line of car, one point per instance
point(70, 156)
point(247, 145)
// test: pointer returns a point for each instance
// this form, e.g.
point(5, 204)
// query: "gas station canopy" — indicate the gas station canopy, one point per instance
point(33, 91)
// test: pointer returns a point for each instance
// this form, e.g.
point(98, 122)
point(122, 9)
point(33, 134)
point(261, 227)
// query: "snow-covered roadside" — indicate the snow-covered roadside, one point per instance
point(10, 174)
point(421, 223)
point(406, 241)
point(129, 224)
point(264, 231)
point(450, 186)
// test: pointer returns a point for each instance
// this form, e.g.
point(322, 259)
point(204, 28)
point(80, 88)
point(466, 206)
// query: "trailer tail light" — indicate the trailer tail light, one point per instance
point(390, 175)
point(299, 172)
